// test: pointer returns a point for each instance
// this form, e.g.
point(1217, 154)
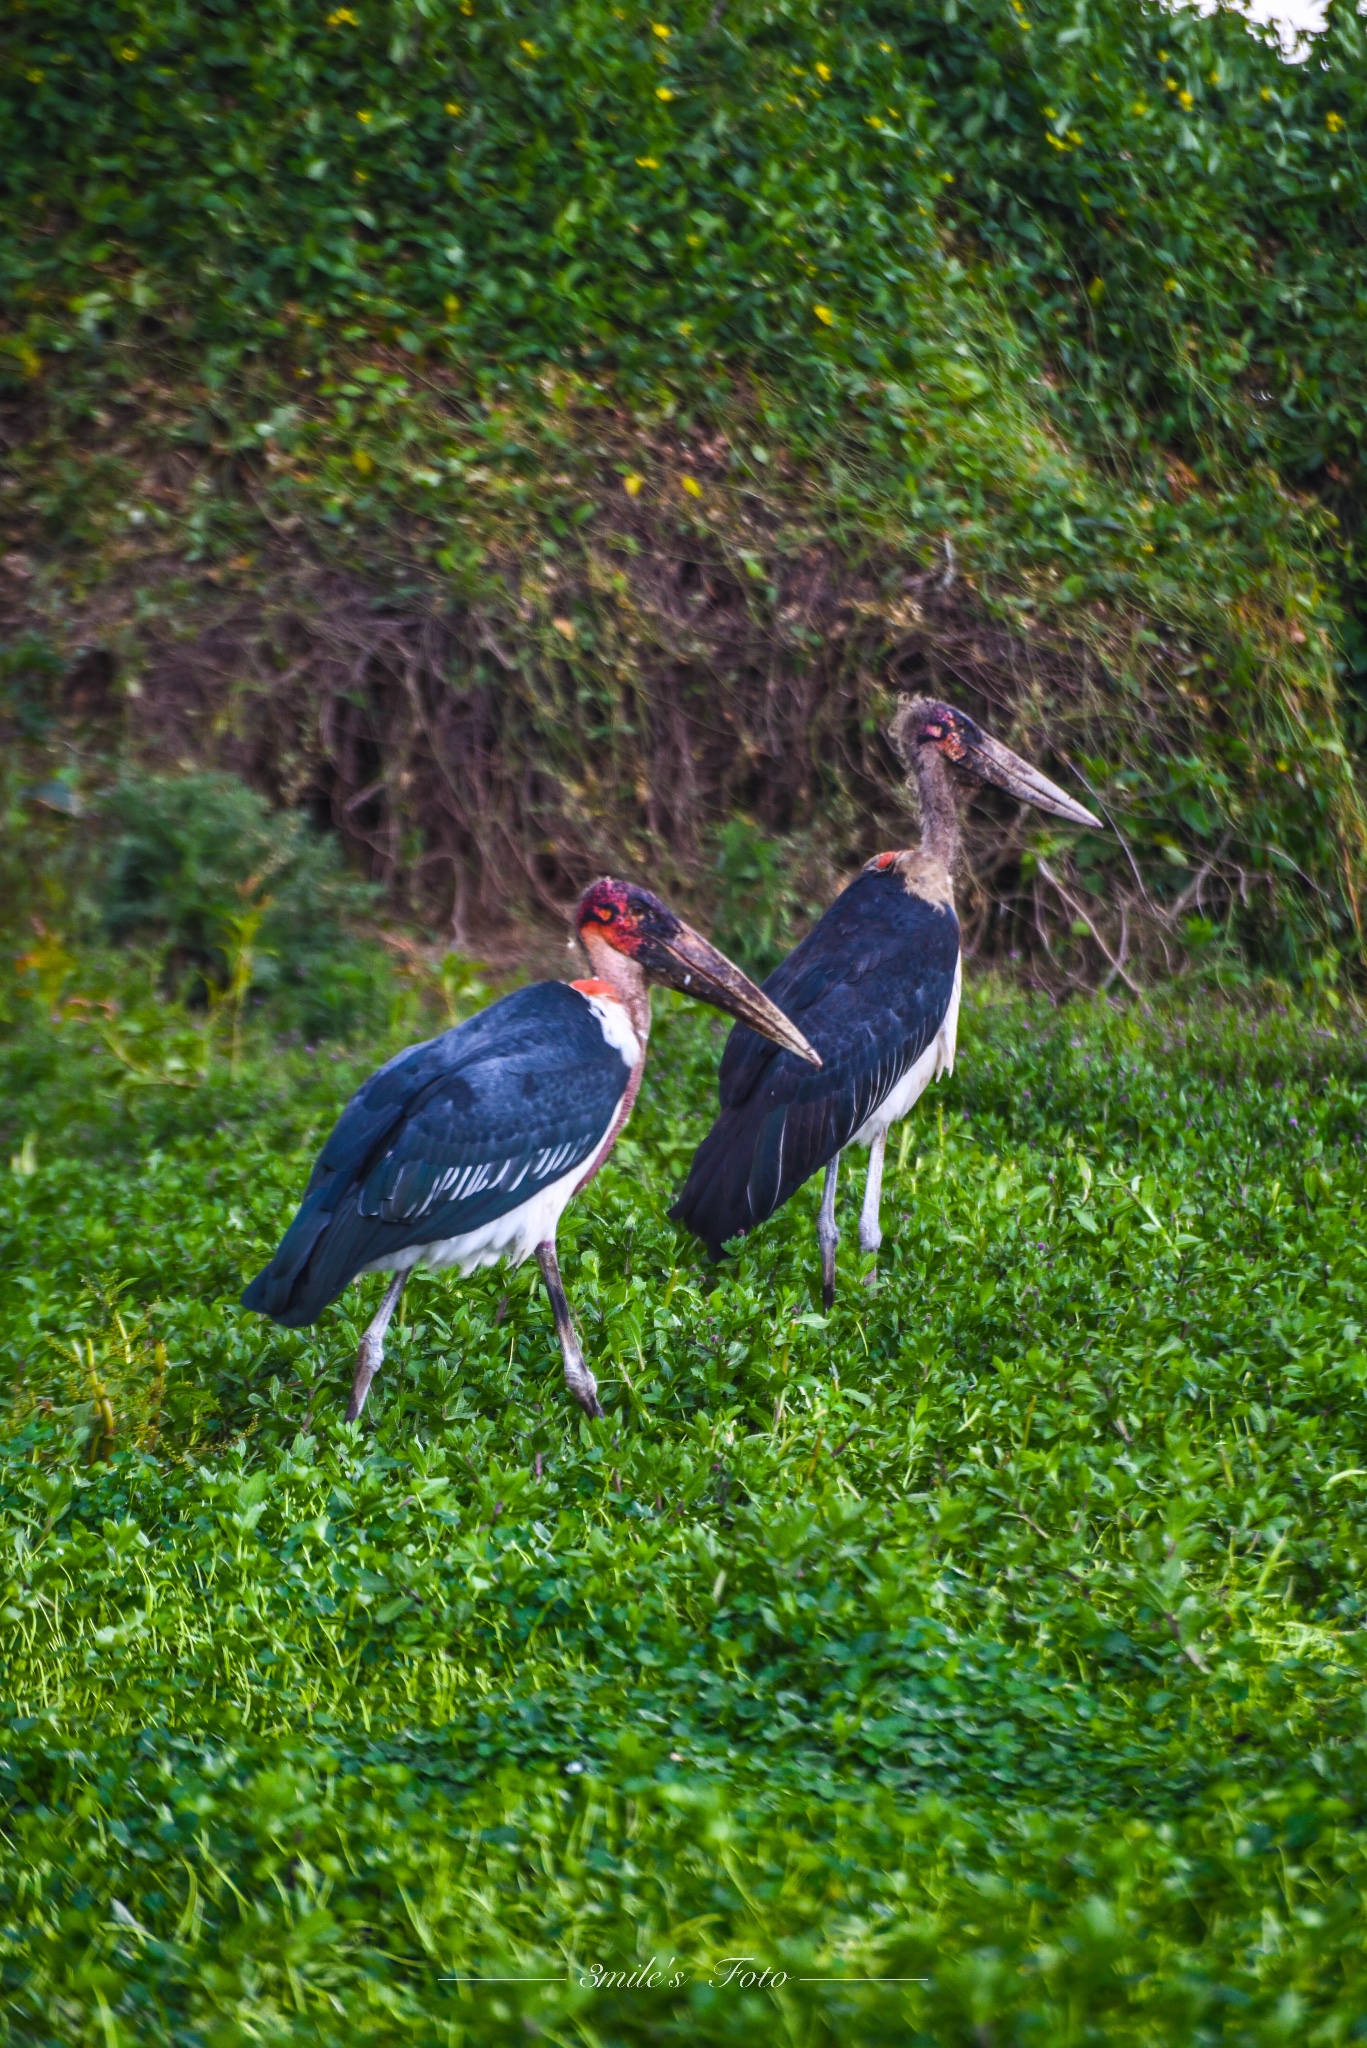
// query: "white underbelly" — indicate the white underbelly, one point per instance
point(512, 1236)
point(937, 1059)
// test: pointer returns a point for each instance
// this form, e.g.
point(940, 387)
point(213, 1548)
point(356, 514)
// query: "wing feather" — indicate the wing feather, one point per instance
point(445, 1138)
point(870, 986)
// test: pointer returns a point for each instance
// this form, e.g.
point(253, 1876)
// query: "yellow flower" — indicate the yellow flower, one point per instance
point(648, 163)
point(631, 484)
point(1171, 84)
point(34, 76)
point(823, 72)
point(1266, 93)
point(1140, 107)
point(339, 15)
point(1333, 122)
point(364, 118)
point(452, 305)
point(363, 461)
point(873, 120)
point(662, 92)
point(1185, 101)
point(692, 486)
point(824, 315)
point(1170, 284)
point(453, 108)
point(530, 48)
point(657, 28)
point(128, 55)
point(886, 48)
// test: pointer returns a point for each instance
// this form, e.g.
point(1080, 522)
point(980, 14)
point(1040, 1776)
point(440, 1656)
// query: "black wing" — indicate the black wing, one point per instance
point(869, 985)
point(446, 1137)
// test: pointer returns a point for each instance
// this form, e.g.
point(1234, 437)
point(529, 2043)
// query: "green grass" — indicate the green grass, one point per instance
point(1002, 1632)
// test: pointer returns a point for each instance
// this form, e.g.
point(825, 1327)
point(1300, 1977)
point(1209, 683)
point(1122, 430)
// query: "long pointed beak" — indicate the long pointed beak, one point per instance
point(692, 964)
point(991, 762)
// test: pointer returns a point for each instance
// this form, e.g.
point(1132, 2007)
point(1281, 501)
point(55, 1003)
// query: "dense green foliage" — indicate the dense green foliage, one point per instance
point(223, 904)
point(1001, 1633)
point(517, 315)
point(198, 868)
point(1175, 204)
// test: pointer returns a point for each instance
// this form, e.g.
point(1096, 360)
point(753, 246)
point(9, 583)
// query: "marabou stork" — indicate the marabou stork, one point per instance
point(875, 985)
point(468, 1148)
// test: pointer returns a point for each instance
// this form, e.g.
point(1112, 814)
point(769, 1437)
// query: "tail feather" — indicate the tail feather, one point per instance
point(755, 1156)
point(282, 1290)
point(719, 1200)
point(765, 1177)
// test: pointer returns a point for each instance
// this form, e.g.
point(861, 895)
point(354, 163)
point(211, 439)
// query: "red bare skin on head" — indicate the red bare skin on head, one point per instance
point(604, 914)
point(940, 729)
point(593, 987)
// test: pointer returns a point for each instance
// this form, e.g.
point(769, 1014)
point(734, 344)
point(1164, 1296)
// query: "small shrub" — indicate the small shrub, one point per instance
point(760, 909)
point(235, 895)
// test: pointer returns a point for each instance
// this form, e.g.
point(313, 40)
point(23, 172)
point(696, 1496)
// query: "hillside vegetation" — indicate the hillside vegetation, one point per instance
point(539, 438)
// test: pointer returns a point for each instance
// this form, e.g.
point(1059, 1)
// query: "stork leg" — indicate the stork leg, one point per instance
point(870, 1229)
point(827, 1236)
point(578, 1378)
point(370, 1351)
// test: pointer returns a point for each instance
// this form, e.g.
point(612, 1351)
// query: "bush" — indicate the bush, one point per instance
point(760, 908)
point(200, 867)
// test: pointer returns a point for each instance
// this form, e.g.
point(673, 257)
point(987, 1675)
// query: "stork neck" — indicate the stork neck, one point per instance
point(939, 810)
point(626, 980)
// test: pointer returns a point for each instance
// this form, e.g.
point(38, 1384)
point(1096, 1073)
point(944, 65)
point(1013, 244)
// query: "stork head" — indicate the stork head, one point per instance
point(633, 923)
point(925, 727)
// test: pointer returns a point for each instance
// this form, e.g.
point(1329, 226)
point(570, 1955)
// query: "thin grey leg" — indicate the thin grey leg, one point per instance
point(870, 1228)
point(827, 1236)
point(370, 1351)
point(578, 1378)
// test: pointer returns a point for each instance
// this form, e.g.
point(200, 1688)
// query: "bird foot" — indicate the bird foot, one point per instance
point(370, 1351)
point(585, 1393)
point(828, 1249)
point(583, 1387)
point(369, 1358)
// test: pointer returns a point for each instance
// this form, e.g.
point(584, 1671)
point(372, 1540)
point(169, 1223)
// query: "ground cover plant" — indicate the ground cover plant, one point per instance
point(1000, 1633)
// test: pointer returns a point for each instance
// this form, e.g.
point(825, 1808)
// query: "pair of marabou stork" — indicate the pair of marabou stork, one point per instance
point(468, 1148)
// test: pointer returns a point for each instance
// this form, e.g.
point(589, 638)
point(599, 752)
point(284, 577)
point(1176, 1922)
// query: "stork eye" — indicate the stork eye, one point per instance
point(933, 732)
